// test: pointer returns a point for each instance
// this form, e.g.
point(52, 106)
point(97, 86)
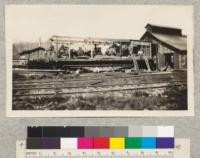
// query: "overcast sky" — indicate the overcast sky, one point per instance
point(31, 22)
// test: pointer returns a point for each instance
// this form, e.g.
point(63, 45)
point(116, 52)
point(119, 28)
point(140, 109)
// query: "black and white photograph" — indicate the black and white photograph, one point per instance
point(99, 60)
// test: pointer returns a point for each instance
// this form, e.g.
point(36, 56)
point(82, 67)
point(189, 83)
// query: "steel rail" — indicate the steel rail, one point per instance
point(95, 91)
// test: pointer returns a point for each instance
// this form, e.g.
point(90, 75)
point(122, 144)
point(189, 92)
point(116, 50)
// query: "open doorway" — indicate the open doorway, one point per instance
point(154, 49)
point(169, 60)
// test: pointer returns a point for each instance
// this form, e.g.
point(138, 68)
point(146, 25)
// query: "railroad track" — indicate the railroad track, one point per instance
point(36, 70)
point(94, 84)
point(94, 89)
point(97, 83)
point(104, 76)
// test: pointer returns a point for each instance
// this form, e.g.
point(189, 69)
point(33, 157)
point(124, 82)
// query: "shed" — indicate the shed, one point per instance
point(33, 54)
point(169, 46)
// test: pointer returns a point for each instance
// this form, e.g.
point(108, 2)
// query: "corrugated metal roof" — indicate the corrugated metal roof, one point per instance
point(24, 47)
point(162, 26)
point(178, 42)
point(32, 50)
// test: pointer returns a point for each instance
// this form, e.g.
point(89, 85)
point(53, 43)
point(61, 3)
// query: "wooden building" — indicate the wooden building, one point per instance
point(33, 54)
point(38, 53)
point(169, 46)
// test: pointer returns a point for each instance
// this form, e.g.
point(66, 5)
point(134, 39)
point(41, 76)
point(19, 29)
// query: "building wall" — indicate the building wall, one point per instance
point(20, 63)
point(180, 60)
point(160, 56)
point(40, 55)
point(162, 50)
point(182, 63)
point(176, 61)
point(160, 60)
point(37, 55)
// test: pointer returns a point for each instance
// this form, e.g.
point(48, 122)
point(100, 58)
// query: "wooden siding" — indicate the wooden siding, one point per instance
point(40, 55)
point(179, 60)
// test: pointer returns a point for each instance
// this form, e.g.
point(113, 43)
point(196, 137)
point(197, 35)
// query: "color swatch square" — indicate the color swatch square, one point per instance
point(34, 143)
point(148, 143)
point(106, 131)
point(69, 143)
point(85, 143)
point(92, 131)
point(165, 131)
point(135, 131)
point(50, 143)
point(149, 131)
point(75, 131)
point(101, 143)
point(117, 143)
point(164, 143)
point(54, 131)
point(120, 131)
point(34, 132)
point(133, 143)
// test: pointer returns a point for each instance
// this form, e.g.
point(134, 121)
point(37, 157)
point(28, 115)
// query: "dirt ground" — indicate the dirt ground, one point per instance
point(171, 97)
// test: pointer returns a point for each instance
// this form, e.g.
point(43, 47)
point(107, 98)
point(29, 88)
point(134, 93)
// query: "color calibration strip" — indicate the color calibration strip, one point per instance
point(181, 150)
point(101, 131)
point(100, 143)
point(133, 137)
